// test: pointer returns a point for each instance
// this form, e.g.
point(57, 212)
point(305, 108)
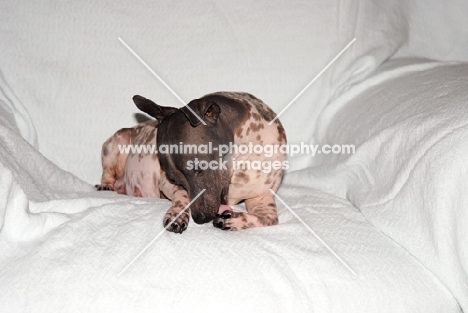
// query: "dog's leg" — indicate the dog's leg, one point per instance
point(113, 162)
point(180, 200)
point(261, 212)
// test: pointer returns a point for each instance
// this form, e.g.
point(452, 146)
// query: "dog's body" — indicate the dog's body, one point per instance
point(237, 118)
point(131, 173)
point(139, 174)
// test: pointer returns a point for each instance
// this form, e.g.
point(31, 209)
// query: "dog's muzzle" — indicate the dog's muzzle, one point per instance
point(201, 218)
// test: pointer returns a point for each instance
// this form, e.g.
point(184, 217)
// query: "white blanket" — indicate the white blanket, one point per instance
point(394, 211)
point(408, 177)
point(63, 245)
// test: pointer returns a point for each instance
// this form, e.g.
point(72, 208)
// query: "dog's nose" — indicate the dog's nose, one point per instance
point(199, 218)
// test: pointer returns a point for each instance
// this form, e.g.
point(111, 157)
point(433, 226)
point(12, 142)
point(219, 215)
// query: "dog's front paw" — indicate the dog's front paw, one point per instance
point(176, 225)
point(228, 220)
point(104, 187)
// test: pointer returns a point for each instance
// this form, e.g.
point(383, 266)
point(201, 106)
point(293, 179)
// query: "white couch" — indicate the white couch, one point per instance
point(394, 211)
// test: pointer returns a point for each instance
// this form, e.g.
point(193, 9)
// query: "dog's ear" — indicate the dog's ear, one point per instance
point(152, 109)
point(199, 111)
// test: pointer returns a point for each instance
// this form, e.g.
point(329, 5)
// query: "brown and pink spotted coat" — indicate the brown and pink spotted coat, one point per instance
point(230, 117)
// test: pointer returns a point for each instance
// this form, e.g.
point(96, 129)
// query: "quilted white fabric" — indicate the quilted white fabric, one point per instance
point(64, 244)
point(409, 124)
point(394, 211)
point(65, 64)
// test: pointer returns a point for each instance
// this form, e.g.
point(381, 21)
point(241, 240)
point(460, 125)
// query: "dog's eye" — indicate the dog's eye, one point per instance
point(199, 167)
point(196, 169)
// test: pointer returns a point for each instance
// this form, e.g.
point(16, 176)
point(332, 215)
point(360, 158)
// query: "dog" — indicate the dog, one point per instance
point(224, 119)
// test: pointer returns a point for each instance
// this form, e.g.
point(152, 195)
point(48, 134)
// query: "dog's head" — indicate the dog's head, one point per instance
point(192, 128)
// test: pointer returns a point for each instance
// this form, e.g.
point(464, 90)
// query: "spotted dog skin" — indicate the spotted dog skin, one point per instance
point(235, 117)
point(139, 174)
